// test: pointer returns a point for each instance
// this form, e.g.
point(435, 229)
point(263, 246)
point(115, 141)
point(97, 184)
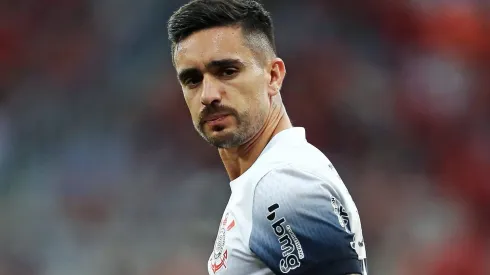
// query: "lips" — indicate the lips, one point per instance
point(214, 117)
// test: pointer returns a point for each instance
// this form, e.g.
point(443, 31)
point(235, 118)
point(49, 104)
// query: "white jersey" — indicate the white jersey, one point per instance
point(290, 213)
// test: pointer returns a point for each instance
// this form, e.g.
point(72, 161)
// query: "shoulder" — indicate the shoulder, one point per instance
point(299, 159)
point(291, 182)
point(297, 225)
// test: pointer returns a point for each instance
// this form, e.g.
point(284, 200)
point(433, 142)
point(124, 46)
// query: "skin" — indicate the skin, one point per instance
point(221, 74)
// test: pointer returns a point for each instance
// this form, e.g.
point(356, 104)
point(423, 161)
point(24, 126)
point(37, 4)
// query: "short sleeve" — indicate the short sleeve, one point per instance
point(297, 227)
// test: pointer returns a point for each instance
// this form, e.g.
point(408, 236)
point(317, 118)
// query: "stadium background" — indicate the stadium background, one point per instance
point(102, 173)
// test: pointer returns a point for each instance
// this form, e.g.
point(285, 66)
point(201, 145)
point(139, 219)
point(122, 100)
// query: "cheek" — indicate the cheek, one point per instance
point(256, 103)
point(193, 106)
point(264, 102)
point(261, 96)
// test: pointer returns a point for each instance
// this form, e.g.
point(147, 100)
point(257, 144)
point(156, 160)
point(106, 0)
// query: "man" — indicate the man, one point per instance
point(289, 211)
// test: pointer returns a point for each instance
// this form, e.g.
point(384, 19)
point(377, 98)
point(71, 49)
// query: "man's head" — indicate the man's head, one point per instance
point(225, 57)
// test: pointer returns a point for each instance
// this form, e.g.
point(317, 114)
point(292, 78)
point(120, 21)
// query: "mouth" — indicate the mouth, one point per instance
point(215, 117)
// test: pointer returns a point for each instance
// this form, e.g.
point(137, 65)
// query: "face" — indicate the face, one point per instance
point(227, 88)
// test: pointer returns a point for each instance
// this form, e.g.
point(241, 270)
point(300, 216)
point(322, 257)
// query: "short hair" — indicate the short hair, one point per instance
point(198, 15)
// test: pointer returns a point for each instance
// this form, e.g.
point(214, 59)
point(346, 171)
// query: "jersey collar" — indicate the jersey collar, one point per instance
point(285, 137)
point(290, 135)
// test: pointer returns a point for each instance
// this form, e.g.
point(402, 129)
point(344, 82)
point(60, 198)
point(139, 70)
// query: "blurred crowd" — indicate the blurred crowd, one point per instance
point(101, 171)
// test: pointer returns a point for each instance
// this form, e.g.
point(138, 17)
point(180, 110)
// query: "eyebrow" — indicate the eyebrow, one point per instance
point(215, 64)
point(224, 63)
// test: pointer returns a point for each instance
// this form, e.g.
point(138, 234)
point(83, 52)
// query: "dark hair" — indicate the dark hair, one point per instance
point(198, 15)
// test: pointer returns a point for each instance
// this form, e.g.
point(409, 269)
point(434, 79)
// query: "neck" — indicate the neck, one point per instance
point(240, 159)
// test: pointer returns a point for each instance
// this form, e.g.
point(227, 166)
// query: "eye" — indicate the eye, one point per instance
point(192, 82)
point(229, 72)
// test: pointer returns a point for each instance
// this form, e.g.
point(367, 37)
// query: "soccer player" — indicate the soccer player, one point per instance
point(289, 211)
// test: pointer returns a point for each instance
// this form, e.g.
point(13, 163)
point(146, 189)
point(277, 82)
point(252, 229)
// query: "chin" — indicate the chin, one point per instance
point(221, 140)
point(224, 139)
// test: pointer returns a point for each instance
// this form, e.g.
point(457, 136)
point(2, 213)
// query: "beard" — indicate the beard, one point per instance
point(230, 139)
point(247, 125)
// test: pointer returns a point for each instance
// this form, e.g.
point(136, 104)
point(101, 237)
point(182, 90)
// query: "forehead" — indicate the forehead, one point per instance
point(212, 44)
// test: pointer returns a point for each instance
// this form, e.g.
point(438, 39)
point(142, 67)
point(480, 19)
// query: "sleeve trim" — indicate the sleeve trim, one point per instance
point(343, 267)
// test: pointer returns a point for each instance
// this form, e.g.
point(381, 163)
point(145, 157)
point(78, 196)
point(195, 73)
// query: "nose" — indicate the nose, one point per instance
point(211, 91)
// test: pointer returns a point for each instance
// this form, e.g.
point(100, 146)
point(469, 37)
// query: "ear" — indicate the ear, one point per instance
point(277, 73)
